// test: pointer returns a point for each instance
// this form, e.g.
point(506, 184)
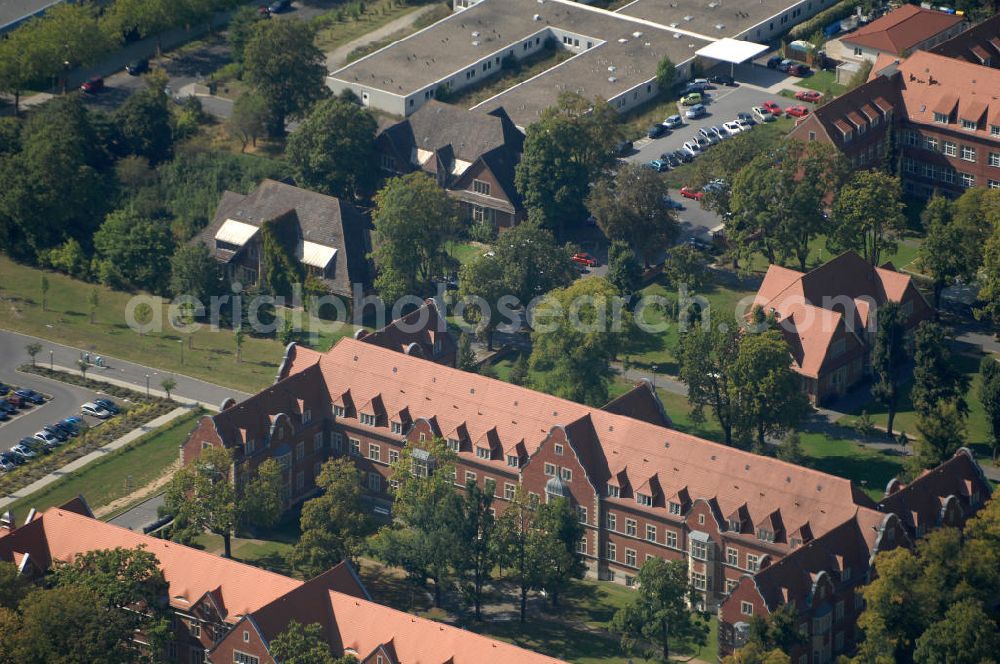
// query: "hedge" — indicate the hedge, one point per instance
point(807, 29)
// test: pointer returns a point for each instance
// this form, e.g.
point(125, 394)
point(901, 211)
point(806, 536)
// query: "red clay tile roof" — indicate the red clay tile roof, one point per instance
point(902, 29)
point(640, 403)
point(60, 535)
point(423, 327)
point(973, 43)
point(608, 443)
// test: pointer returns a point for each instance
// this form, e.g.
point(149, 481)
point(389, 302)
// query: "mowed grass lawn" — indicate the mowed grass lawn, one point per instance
point(823, 81)
point(210, 356)
point(117, 474)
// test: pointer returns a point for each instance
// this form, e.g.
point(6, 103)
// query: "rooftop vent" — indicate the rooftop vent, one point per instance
point(719, 26)
point(637, 34)
point(688, 18)
point(622, 41)
point(536, 17)
point(475, 42)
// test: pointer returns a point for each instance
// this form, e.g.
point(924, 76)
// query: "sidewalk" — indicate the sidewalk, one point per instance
point(94, 374)
point(73, 466)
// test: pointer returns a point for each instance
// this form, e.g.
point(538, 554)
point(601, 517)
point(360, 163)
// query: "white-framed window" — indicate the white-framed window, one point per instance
point(550, 469)
point(699, 580)
point(454, 444)
point(765, 535)
point(244, 658)
point(630, 527)
point(630, 557)
point(930, 143)
point(338, 411)
point(699, 550)
point(732, 556)
point(753, 562)
point(994, 184)
point(482, 214)
point(374, 452)
point(671, 539)
point(509, 490)
point(393, 455)
point(611, 551)
point(968, 180)
point(941, 118)
point(950, 149)
point(558, 449)
point(581, 546)
point(483, 452)
point(470, 476)
point(337, 441)
point(355, 447)
point(300, 450)
point(746, 608)
point(397, 427)
point(675, 509)
point(566, 474)
point(581, 513)
point(970, 125)
point(994, 130)
point(612, 521)
point(513, 461)
point(968, 153)
point(731, 585)
point(613, 491)
point(644, 500)
point(650, 532)
point(994, 159)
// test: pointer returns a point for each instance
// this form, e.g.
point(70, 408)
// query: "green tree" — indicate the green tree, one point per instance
point(778, 630)
point(570, 145)
point(945, 254)
point(666, 72)
point(334, 524)
point(966, 634)
point(685, 266)
point(766, 393)
point(414, 219)
point(334, 150)
point(707, 358)
point(514, 545)
point(283, 64)
point(868, 215)
point(261, 505)
point(428, 511)
point(32, 349)
point(989, 397)
point(466, 360)
point(989, 283)
point(477, 554)
point(482, 282)
point(145, 125)
point(752, 653)
point(201, 496)
point(633, 207)
point(194, 272)
point(279, 268)
point(936, 376)
point(791, 449)
point(133, 252)
point(249, 119)
point(167, 385)
point(533, 262)
point(658, 613)
point(888, 358)
point(238, 336)
point(624, 271)
point(942, 432)
point(301, 644)
point(578, 331)
point(240, 29)
point(557, 533)
point(93, 302)
point(69, 258)
point(13, 586)
point(519, 371)
point(44, 287)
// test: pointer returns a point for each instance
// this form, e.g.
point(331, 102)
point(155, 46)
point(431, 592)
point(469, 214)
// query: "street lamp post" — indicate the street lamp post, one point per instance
point(50, 360)
point(147, 385)
point(654, 368)
point(181, 342)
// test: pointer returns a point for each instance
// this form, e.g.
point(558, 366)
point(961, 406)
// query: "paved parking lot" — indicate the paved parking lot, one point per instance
point(66, 401)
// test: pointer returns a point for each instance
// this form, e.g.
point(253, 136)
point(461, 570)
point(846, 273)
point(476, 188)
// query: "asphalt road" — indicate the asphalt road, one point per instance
point(140, 516)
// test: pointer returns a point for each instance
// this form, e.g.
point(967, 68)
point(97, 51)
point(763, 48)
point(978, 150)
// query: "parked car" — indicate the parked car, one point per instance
point(695, 111)
point(732, 128)
point(623, 148)
point(16, 401)
point(723, 79)
point(745, 125)
point(683, 155)
point(39, 446)
point(108, 405)
point(659, 165)
point(56, 432)
point(585, 259)
point(808, 95)
point(279, 6)
point(688, 192)
point(24, 452)
point(673, 122)
point(714, 186)
point(797, 111)
point(746, 117)
point(761, 114)
point(93, 410)
point(8, 407)
point(4, 389)
point(784, 65)
point(74, 424)
point(708, 135)
point(671, 159)
point(64, 428)
point(30, 396)
point(772, 107)
point(13, 458)
point(672, 204)
point(702, 142)
point(799, 70)
point(657, 130)
point(774, 61)
point(137, 67)
point(93, 86)
point(4, 416)
point(7, 464)
point(692, 146)
point(691, 99)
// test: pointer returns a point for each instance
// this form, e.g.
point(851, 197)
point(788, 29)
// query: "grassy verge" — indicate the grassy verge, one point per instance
point(119, 473)
point(209, 354)
point(542, 61)
point(825, 82)
point(340, 26)
point(439, 12)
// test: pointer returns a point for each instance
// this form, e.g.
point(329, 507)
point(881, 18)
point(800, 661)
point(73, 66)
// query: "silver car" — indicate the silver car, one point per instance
point(692, 148)
point(23, 451)
point(673, 122)
point(708, 135)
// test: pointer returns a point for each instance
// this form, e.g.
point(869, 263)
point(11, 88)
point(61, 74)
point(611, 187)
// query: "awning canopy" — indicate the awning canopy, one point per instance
point(735, 51)
point(235, 232)
point(315, 255)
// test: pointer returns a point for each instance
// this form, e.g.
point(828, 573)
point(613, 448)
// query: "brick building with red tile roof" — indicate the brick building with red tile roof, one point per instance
point(827, 316)
point(641, 489)
point(226, 611)
point(422, 332)
point(903, 31)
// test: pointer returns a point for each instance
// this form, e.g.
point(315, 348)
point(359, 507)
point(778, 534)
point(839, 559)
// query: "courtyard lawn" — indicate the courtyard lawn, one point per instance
point(118, 474)
point(542, 61)
point(210, 354)
point(904, 258)
point(463, 252)
point(823, 81)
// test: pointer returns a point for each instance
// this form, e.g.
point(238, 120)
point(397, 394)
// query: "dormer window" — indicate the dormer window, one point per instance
point(397, 427)
point(970, 125)
point(675, 509)
point(614, 492)
point(765, 535)
point(483, 452)
point(795, 542)
point(481, 187)
point(513, 461)
point(306, 416)
point(735, 525)
point(338, 411)
point(455, 445)
point(643, 499)
point(940, 118)
point(368, 419)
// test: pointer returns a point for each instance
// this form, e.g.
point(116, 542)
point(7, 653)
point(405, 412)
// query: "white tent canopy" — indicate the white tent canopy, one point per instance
point(735, 51)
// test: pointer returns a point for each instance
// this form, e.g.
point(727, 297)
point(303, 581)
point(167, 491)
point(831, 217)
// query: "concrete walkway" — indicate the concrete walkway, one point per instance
point(73, 466)
point(338, 57)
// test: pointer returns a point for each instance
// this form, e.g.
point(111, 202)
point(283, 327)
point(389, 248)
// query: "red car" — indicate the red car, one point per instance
point(808, 95)
point(94, 85)
point(688, 192)
point(585, 259)
point(772, 108)
point(796, 111)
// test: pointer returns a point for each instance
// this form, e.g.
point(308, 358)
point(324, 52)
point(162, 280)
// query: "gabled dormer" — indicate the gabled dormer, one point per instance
point(770, 528)
point(618, 484)
point(458, 439)
point(372, 413)
point(649, 493)
point(679, 503)
point(400, 422)
point(488, 446)
point(739, 520)
point(343, 405)
point(801, 535)
point(516, 454)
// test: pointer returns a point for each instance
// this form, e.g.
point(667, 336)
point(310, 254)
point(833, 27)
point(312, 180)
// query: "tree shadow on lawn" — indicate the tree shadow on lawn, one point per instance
point(553, 638)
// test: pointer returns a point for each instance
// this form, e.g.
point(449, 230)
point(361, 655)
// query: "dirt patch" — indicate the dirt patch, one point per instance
point(139, 494)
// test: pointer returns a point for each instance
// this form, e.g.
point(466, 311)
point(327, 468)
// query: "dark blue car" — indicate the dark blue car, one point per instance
point(30, 396)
